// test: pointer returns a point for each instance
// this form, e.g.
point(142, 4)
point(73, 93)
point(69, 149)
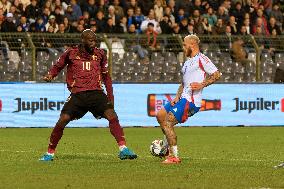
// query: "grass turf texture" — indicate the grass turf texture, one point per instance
point(239, 157)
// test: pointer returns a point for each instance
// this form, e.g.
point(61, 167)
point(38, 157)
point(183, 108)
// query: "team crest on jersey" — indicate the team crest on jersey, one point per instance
point(95, 57)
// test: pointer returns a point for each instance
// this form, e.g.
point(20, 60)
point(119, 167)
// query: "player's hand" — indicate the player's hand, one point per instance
point(174, 101)
point(196, 86)
point(47, 78)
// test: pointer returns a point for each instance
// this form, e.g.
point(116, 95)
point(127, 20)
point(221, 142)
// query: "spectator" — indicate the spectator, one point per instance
point(197, 6)
point(77, 12)
point(80, 28)
point(190, 30)
point(210, 16)
point(50, 29)
point(222, 14)
point(45, 15)
point(183, 26)
point(32, 11)
point(40, 26)
point(103, 7)
point(158, 9)
point(90, 7)
point(118, 9)
point(135, 46)
point(180, 15)
point(146, 5)
point(61, 28)
point(70, 14)
point(130, 17)
point(139, 18)
point(196, 16)
point(227, 6)
point(111, 14)
point(52, 22)
point(176, 29)
point(5, 6)
point(262, 27)
point(277, 14)
point(185, 4)
point(100, 21)
point(168, 12)
point(206, 27)
point(16, 15)
point(25, 3)
point(57, 3)
point(243, 30)
point(23, 24)
point(166, 25)
point(82, 22)
point(8, 25)
point(122, 26)
point(152, 37)
point(233, 24)
point(19, 7)
point(110, 27)
point(151, 19)
point(238, 12)
point(272, 26)
point(19, 29)
point(227, 38)
point(247, 25)
point(260, 15)
point(132, 4)
point(94, 28)
point(32, 27)
point(67, 25)
point(219, 28)
point(267, 4)
point(58, 16)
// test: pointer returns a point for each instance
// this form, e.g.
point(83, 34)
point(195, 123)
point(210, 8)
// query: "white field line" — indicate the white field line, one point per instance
point(115, 155)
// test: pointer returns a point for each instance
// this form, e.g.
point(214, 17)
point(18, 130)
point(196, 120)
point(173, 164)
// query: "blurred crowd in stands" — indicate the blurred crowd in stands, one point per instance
point(152, 17)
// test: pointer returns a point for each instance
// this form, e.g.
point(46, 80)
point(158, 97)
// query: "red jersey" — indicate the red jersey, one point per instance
point(84, 71)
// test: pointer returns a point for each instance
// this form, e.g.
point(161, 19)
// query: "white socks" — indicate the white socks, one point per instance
point(121, 147)
point(165, 140)
point(174, 150)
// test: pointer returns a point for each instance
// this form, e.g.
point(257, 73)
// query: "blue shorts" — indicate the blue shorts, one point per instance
point(182, 109)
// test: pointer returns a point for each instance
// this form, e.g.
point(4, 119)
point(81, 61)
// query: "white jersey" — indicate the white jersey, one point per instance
point(194, 70)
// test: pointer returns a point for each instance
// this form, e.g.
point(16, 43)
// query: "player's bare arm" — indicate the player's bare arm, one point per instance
point(208, 81)
point(178, 95)
point(48, 78)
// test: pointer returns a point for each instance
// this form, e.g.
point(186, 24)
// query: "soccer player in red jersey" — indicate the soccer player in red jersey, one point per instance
point(87, 69)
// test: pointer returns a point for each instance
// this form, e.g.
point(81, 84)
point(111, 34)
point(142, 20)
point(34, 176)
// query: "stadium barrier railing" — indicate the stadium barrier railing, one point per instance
point(28, 56)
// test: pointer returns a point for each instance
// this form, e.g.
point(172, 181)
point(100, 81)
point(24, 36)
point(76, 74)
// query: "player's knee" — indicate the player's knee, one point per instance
point(64, 119)
point(110, 114)
point(161, 115)
point(171, 119)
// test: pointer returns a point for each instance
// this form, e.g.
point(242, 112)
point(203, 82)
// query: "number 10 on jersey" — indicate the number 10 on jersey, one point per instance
point(86, 66)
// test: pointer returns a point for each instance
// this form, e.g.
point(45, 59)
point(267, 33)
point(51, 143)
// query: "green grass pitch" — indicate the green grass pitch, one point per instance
point(212, 157)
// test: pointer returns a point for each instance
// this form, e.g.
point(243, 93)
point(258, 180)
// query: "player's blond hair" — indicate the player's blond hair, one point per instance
point(194, 37)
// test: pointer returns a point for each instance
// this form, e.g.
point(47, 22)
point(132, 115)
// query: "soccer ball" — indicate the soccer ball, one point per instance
point(158, 148)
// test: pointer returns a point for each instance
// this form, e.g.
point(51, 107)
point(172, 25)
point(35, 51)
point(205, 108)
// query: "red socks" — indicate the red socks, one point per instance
point(54, 138)
point(117, 131)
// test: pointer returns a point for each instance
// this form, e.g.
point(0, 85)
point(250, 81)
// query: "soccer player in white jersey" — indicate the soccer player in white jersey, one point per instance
point(189, 95)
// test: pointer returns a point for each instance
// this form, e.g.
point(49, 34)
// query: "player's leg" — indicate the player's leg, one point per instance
point(71, 110)
point(161, 118)
point(117, 132)
point(101, 107)
point(170, 133)
point(55, 136)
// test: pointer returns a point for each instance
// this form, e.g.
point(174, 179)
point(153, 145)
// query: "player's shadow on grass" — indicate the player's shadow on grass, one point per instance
point(86, 157)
